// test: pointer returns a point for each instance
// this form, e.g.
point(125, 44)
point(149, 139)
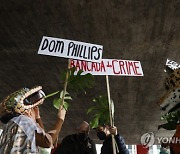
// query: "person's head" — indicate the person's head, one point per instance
point(103, 132)
point(82, 131)
point(20, 102)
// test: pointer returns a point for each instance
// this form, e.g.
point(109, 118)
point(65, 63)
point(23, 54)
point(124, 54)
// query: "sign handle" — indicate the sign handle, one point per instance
point(65, 83)
point(110, 113)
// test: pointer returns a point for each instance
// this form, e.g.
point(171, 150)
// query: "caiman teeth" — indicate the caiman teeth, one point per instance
point(35, 104)
point(36, 89)
point(15, 101)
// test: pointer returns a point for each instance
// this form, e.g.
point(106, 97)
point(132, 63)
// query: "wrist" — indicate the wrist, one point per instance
point(61, 118)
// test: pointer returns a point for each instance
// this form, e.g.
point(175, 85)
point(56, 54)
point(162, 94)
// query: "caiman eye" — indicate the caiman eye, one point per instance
point(27, 102)
point(35, 97)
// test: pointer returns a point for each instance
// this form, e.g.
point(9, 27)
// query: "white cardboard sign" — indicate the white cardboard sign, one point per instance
point(172, 64)
point(109, 67)
point(70, 49)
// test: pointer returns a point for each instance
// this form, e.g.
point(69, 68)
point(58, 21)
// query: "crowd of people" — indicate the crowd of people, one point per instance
point(24, 132)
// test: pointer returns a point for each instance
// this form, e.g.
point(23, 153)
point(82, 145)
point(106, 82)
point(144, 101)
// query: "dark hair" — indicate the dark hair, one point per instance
point(8, 117)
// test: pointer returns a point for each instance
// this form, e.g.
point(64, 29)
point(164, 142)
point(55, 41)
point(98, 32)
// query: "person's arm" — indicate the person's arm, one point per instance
point(38, 117)
point(119, 140)
point(48, 139)
point(93, 147)
point(121, 144)
point(39, 121)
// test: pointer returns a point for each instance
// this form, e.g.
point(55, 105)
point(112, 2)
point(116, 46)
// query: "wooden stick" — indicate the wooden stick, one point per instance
point(65, 83)
point(110, 113)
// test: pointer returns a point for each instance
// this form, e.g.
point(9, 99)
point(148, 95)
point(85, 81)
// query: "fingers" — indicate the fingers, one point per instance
point(37, 113)
point(36, 108)
point(113, 130)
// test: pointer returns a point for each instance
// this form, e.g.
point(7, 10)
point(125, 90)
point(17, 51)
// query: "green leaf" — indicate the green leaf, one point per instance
point(91, 109)
point(80, 82)
point(75, 83)
point(172, 119)
point(172, 116)
point(52, 94)
point(66, 96)
point(100, 111)
point(61, 93)
point(66, 106)
point(57, 102)
point(94, 122)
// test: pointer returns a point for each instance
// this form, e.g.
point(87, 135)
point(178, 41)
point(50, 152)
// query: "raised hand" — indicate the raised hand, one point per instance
point(36, 112)
point(113, 130)
point(61, 113)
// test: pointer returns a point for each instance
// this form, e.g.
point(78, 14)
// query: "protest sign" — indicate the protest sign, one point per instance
point(172, 64)
point(70, 49)
point(109, 67)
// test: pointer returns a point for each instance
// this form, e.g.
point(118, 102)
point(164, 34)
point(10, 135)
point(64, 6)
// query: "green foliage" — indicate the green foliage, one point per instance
point(75, 83)
point(58, 101)
point(78, 82)
point(100, 111)
point(172, 119)
point(172, 116)
point(52, 94)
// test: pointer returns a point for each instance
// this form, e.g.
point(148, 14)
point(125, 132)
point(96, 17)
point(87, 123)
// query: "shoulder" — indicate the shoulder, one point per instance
point(90, 140)
point(10, 127)
point(69, 137)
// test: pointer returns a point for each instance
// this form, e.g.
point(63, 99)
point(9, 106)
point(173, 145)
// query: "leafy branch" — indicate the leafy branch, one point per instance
point(100, 111)
point(58, 101)
point(172, 119)
point(76, 82)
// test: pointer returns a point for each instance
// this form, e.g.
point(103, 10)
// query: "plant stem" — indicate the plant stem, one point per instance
point(65, 83)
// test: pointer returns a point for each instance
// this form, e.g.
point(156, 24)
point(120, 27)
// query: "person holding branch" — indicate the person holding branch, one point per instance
point(103, 123)
point(105, 133)
point(115, 144)
point(23, 131)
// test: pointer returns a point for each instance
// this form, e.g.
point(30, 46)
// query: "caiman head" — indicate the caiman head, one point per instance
point(170, 101)
point(22, 100)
